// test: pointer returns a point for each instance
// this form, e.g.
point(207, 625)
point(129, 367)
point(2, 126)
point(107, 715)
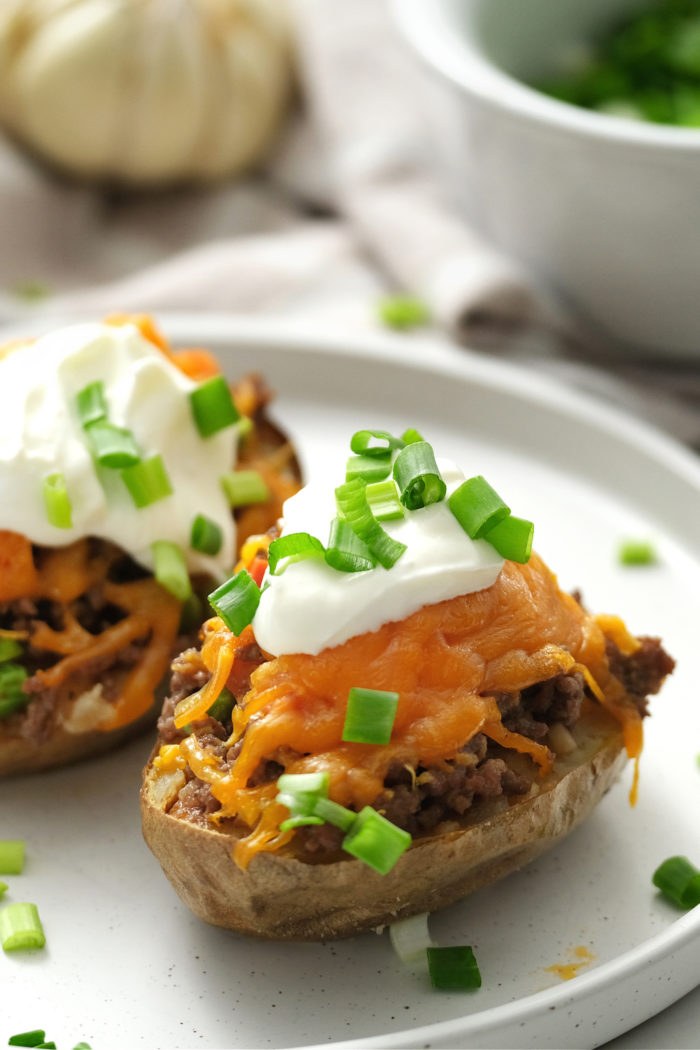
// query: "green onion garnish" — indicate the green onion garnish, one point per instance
point(637, 552)
point(372, 467)
point(351, 500)
point(374, 442)
point(9, 648)
point(384, 502)
point(223, 706)
point(92, 404)
point(11, 856)
point(296, 546)
point(369, 716)
point(244, 486)
point(82, 1046)
point(453, 968)
point(300, 792)
point(20, 927)
point(46, 1046)
point(417, 475)
point(512, 537)
point(236, 601)
point(345, 551)
point(206, 536)
point(12, 696)
point(410, 436)
point(33, 1038)
point(375, 840)
point(147, 481)
point(403, 311)
point(170, 569)
point(57, 501)
point(213, 407)
point(679, 880)
point(112, 446)
point(3, 889)
point(477, 507)
point(333, 813)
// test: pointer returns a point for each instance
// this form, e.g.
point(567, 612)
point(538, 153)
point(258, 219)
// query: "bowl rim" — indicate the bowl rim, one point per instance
point(427, 28)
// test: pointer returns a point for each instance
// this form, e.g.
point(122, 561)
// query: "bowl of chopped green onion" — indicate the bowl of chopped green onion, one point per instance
point(570, 132)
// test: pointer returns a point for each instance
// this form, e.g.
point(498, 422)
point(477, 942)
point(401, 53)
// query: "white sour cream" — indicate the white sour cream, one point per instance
point(311, 606)
point(41, 434)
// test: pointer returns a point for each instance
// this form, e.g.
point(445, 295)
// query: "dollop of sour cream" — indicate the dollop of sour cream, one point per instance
point(311, 606)
point(41, 434)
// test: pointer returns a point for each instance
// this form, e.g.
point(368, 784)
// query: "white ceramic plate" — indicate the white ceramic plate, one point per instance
point(127, 965)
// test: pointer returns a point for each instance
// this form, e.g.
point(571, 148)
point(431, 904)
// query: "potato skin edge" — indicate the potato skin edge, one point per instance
point(282, 898)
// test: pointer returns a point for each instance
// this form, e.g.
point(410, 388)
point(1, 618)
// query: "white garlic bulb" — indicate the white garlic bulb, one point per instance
point(145, 91)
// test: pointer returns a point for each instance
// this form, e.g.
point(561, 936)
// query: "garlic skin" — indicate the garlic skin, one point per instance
point(145, 91)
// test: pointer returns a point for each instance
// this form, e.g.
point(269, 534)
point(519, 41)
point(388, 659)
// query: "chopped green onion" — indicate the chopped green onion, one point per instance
point(637, 552)
point(512, 537)
point(11, 856)
point(345, 551)
point(82, 1046)
point(374, 442)
point(477, 507)
point(299, 792)
point(403, 311)
point(384, 502)
point(212, 406)
point(453, 968)
point(147, 481)
point(410, 937)
point(57, 501)
point(333, 813)
point(92, 404)
point(112, 446)
point(301, 820)
point(369, 716)
point(351, 500)
point(33, 1038)
point(191, 614)
point(46, 1046)
point(3, 889)
point(372, 467)
point(171, 569)
point(296, 546)
point(244, 486)
point(244, 426)
point(223, 706)
point(12, 696)
point(679, 880)
point(20, 927)
point(417, 475)
point(375, 840)
point(9, 648)
point(236, 601)
point(410, 436)
point(206, 536)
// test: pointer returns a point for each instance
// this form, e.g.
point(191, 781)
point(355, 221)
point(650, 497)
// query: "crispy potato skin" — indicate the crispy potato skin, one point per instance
point(282, 898)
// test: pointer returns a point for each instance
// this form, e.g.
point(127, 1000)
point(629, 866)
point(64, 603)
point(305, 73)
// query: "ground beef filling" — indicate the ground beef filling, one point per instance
point(420, 799)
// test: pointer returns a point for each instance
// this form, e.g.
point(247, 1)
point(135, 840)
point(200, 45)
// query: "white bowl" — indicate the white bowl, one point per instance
point(605, 210)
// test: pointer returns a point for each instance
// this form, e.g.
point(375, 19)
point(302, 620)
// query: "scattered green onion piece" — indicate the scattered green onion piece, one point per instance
point(223, 706)
point(147, 481)
point(296, 546)
point(57, 501)
point(372, 467)
point(637, 552)
point(9, 648)
point(302, 820)
point(345, 551)
point(679, 880)
point(3, 889)
point(212, 406)
point(453, 968)
point(410, 938)
point(374, 442)
point(92, 404)
point(20, 927)
point(46, 1046)
point(12, 700)
point(244, 486)
point(410, 436)
point(512, 537)
point(206, 536)
point(11, 856)
point(384, 502)
point(244, 427)
point(375, 840)
point(112, 446)
point(477, 507)
point(82, 1046)
point(417, 475)
point(236, 601)
point(170, 569)
point(333, 813)
point(33, 1038)
point(403, 311)
point(191, 614)
point(369, 716)
point(299, 792)
point(351, 500)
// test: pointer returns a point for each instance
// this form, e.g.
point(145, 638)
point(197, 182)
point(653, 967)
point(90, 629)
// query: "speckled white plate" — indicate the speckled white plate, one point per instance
point(127, 965)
